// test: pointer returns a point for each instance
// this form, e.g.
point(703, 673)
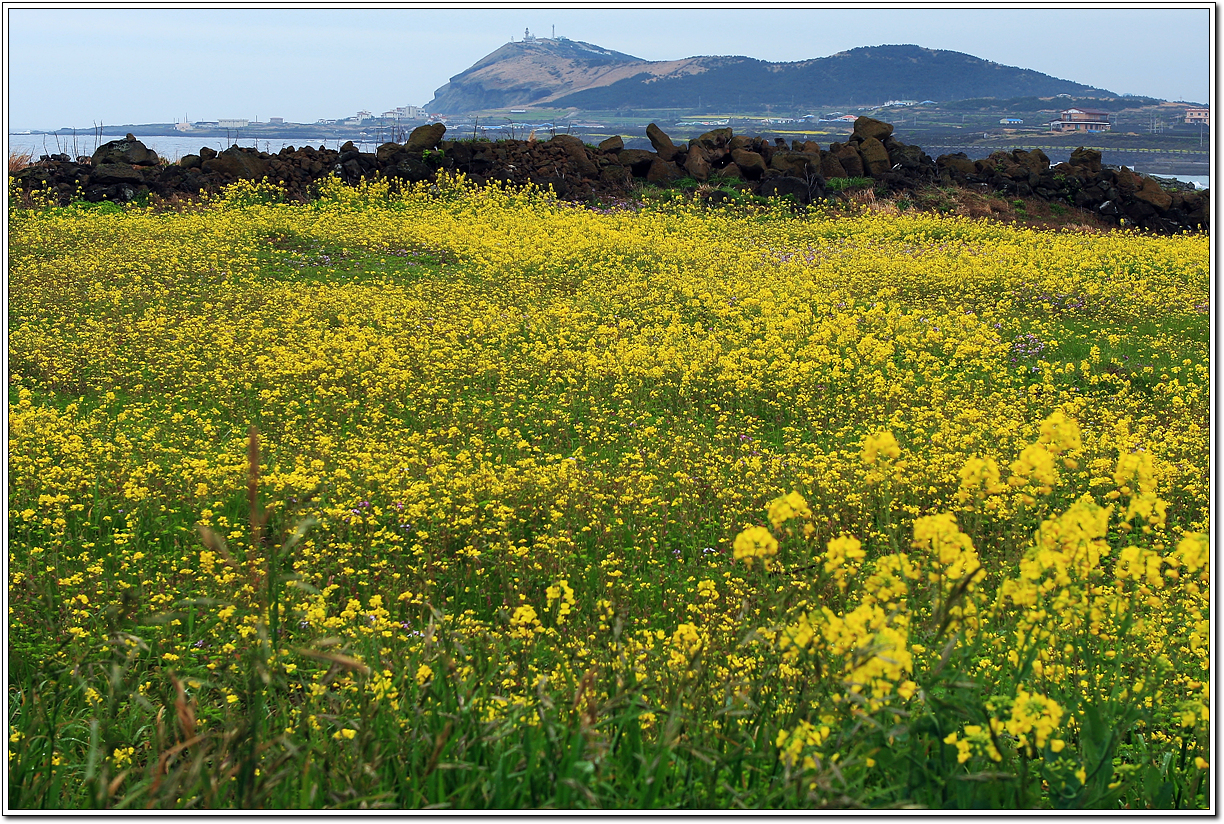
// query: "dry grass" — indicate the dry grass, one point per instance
point(19, 160)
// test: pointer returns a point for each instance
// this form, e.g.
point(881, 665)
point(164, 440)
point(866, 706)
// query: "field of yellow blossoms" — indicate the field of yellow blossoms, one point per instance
point(471, 498)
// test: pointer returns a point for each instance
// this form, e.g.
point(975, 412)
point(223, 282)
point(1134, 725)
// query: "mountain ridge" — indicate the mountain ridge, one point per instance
point(572, 73)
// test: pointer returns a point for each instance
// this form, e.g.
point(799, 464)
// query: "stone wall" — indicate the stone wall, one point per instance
point(124, 170)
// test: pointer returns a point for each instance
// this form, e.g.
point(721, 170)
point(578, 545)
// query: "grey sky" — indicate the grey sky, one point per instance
point(73, 66)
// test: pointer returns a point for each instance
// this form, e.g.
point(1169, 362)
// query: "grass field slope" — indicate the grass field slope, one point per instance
point(473, 499)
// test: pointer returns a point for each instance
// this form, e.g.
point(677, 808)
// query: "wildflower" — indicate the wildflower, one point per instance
point(755, 542)
point(843, 555)
point(1060, 434)
point(561, 592)
point(686, 642)
point(790, 505)
point(880, 443)
point(979, 477)
point(1033, 715)
point(524, 623)
point(1036, 466)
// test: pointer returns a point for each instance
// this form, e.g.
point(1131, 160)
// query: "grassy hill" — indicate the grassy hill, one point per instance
point(567, 73)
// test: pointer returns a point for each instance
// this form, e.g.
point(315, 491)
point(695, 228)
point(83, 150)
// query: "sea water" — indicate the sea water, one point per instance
point(171, 147)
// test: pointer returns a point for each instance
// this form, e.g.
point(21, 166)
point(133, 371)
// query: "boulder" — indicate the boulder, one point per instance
point(1069, 172)
point(751, 164)
point(1151, 192)
point(715, 139)
point(729, 172)
point(577, 153)
point(422, 138)
point(238, 163)
point(413, 170)
point(1127, 182)
point(190, 161)
point(796, 188)
point(739, 142)
point(637, 161)
point(663, 172)
point(661, 142)
point(107, 174)
point(697, 164)
point(868, 127)
point(617, 176)
point(796, 164)
point(875, 156)
point(128, 150)
point(958, 163)
point(387, 151)
point(1035, 161)
point(910, 158)
point(1089, 159)
point(831, 167)
point(207, 153)
point(851, 160)
point(612, 144)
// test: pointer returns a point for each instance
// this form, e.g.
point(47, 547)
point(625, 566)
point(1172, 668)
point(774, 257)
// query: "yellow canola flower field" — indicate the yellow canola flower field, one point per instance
point(846, 492)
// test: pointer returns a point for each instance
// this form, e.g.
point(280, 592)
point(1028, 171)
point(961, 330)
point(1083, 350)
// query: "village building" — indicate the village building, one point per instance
point(1081, 120)
point(1197, 115)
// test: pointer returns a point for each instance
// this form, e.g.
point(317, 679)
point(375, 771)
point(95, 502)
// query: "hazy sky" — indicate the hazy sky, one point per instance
point(74, 66)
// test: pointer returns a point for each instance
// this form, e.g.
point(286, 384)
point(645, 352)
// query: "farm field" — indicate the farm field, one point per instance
point(459, 498)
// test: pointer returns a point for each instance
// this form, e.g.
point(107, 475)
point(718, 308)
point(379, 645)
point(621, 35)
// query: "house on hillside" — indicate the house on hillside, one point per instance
point(1011, 121)
point(1199, 116)
point(1081, 120)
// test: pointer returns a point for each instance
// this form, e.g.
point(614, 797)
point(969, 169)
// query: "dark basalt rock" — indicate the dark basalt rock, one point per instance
point(662, 144)
point(123, 170)
point(129, 150)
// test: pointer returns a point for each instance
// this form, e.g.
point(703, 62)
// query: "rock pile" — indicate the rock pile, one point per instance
point(1117, 193)
point(123, 170)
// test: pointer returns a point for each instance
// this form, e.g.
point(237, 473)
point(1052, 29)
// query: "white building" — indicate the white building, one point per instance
point(232, 123)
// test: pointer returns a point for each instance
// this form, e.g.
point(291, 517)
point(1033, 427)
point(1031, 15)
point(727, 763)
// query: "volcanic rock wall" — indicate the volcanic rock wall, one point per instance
point(124, 170)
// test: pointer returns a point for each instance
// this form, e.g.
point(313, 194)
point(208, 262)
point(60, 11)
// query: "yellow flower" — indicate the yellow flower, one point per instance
point(524, 623)
point(880, 443)
point(1060, 434)
point(1035, 465)
point(755, 542)
point(790, 505)
point(979, 477)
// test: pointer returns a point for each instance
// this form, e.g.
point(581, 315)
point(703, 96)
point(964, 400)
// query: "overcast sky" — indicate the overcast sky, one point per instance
point(74, 66)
